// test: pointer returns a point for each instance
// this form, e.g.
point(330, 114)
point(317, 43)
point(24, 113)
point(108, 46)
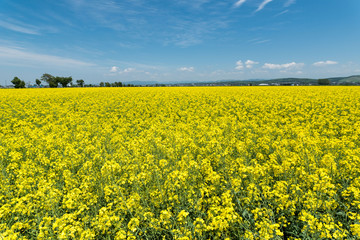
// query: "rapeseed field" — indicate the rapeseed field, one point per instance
point(180, 163)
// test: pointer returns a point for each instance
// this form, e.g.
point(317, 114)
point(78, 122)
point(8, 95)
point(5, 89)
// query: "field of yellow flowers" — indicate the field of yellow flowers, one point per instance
point(180, 163)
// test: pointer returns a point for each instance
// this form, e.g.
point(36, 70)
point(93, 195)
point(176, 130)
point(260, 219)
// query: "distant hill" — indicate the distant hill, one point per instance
point(351, 80)
point(143, 83)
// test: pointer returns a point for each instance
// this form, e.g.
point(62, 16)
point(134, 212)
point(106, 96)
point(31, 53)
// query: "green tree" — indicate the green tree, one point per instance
point(324, 82)
point(50, 79)
point(102, 84)
point(107, 84)
point(18, 83)
point(64, 81)
point(38, 82)
point(117, 84)
point(80, 82)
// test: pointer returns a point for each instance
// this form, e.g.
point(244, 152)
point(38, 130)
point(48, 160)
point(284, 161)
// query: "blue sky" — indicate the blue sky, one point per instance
point(178, 40)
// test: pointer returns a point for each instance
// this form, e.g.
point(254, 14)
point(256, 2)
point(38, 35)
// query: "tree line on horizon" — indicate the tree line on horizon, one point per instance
point(52, 81)
point(55, 81)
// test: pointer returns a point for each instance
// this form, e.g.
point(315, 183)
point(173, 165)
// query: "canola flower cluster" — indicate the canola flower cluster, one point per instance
point(180, 163)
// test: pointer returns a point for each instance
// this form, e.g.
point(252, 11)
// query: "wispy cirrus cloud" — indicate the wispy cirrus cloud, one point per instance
point(291, 65)
point(258, 41)
point(139, 20)
point(193, 3)
point(262, 5)
point(239, 3)
point(186, 33)
point(19, 27)
point(288, 3)
point(324, 63)
point(281, 13)
point(185, 39)
point(23, 57)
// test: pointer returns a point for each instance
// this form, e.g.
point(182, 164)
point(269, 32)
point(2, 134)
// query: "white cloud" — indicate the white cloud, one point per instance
point(187, 69)
point(262, 5)
point(239, 65)
point(283, 66)
point(289, 2)
point(324, 63)
point(239, 3)
point(23, 57)
point(128, 70)
point(114, 69)
point(250, 63)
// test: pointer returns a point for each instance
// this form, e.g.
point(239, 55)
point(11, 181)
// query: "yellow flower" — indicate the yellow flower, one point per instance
point(133, 224)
